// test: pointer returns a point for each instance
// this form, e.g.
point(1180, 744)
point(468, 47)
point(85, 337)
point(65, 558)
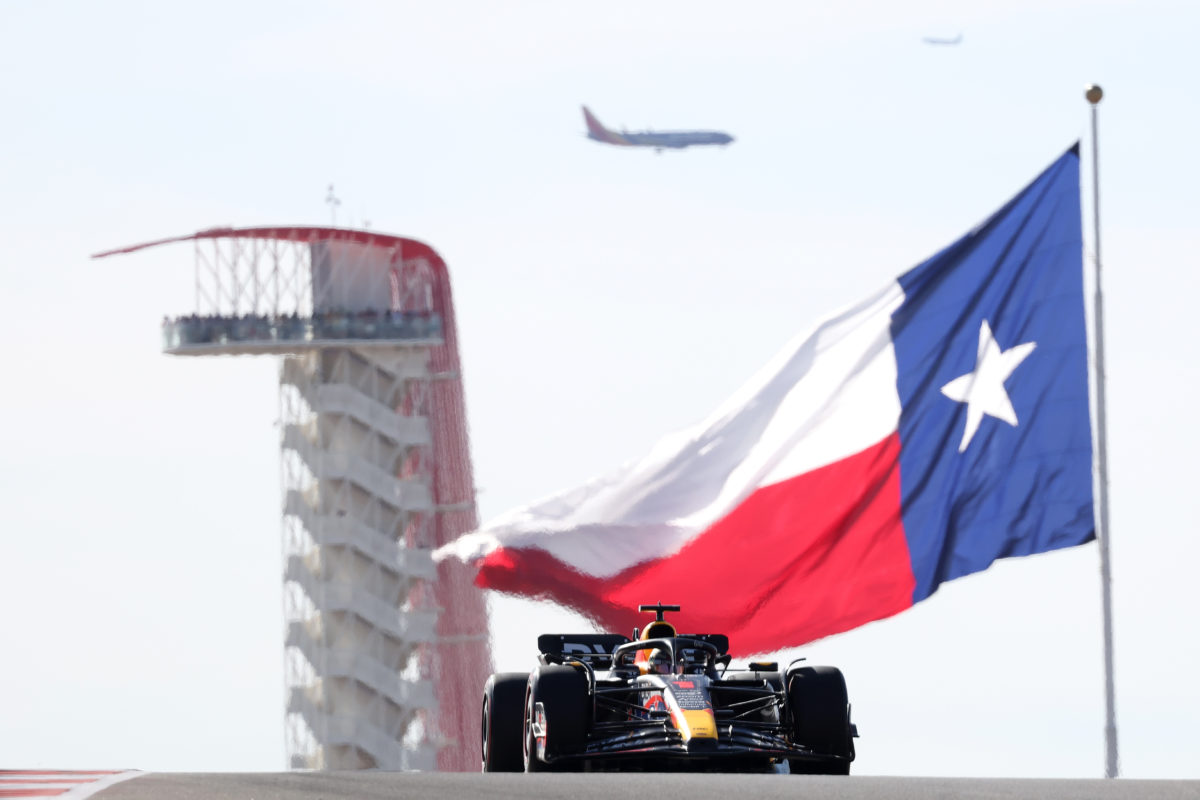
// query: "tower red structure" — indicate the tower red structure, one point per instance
point(385, 651)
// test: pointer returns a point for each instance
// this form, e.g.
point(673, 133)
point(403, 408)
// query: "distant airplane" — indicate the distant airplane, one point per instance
point(674, 139)
point(938, 40)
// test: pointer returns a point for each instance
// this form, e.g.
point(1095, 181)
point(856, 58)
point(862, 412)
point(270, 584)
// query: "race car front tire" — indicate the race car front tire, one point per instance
point(820, 712)
point(502, 719)
point(560, 694)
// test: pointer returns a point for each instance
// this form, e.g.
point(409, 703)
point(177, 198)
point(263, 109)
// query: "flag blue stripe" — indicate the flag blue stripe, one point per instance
point(1014, 490)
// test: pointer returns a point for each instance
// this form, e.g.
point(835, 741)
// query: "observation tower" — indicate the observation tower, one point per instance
point(385, 652)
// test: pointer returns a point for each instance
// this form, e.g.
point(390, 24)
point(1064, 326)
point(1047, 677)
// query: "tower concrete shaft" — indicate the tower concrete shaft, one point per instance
point(385, 652)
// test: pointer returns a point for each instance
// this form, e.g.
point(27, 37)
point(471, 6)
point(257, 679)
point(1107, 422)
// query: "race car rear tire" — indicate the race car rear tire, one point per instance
point(561, 692)
point(502, 719)
point(820, 712)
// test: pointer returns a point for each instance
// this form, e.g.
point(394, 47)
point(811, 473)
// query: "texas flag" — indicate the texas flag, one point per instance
point(915, 437)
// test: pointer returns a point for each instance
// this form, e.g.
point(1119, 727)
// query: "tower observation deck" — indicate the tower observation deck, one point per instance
point(385, 652)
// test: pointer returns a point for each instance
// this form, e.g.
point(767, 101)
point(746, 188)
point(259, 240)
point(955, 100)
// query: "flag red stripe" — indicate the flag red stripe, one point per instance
point(815, 555)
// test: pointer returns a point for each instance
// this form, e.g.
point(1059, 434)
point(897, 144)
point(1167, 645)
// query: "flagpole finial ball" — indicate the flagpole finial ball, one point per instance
point(1093, 93)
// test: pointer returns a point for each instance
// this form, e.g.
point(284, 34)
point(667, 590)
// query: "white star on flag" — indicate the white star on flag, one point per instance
point(983, 389)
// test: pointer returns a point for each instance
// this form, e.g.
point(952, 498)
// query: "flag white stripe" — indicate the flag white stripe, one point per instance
point(828, 394)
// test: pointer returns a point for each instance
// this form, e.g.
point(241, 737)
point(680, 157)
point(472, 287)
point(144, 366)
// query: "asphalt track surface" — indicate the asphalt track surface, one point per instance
point(606, 786)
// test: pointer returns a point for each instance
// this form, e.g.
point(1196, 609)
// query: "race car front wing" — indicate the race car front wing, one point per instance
point(652, 739)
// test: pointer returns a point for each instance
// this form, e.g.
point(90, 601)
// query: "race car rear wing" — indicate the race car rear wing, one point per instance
point(595, 648)
point(717, 640)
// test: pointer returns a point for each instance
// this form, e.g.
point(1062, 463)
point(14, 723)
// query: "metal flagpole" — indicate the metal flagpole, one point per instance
point(1093, 94)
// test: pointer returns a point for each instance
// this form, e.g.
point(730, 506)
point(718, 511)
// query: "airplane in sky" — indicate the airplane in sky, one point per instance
point(942, 40)
point(676, 140)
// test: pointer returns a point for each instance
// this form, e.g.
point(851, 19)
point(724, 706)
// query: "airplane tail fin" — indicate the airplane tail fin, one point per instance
point(599, 132)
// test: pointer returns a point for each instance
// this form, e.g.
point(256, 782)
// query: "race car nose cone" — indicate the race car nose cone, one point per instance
point(701, 745)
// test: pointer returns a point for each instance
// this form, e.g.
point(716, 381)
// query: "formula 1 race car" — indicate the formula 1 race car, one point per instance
point(663, 701)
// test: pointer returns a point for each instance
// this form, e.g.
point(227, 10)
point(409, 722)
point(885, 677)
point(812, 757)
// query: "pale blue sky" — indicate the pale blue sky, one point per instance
point(605, 297)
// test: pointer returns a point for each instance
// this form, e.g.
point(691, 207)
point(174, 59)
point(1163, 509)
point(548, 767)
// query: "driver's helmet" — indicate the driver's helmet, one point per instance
point(659, 662)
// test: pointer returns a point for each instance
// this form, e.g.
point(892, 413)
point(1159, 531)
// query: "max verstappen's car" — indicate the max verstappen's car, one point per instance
point(663, 701)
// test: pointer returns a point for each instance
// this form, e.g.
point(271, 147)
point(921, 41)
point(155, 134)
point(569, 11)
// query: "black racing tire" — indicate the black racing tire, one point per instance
point(502, 719)
point(563, 694)
point(820, 720)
